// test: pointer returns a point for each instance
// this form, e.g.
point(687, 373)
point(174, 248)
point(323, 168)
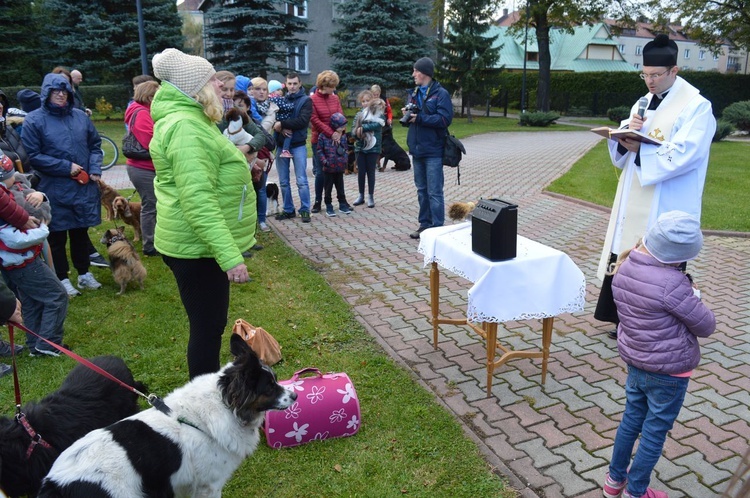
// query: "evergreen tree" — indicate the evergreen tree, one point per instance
point(468, 58)
point(21, 48)
point(100, 37)
point(378, 42)
point(251, 37)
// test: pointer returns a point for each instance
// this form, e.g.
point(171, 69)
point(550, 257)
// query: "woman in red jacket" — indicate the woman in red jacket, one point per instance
point(141, 171)
point(325, 104)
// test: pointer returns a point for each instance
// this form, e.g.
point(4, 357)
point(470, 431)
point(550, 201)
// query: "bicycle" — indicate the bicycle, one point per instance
point(110, 151)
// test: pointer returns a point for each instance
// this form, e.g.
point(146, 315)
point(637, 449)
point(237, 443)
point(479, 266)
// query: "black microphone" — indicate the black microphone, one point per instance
point(642, 105)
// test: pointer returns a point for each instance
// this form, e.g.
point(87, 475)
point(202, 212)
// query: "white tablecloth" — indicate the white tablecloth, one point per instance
point(540, 282)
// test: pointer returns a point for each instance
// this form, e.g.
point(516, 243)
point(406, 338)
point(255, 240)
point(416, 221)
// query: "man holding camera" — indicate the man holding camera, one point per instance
point(428, 114)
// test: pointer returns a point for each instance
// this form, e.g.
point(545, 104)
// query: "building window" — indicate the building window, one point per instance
point(297, 10)
point(532, 56)
point(637, 65)
point(297, 58)
point(637, 50)
point(733, 64)
point(701, 55)
point(622, 48)
point(687, 53)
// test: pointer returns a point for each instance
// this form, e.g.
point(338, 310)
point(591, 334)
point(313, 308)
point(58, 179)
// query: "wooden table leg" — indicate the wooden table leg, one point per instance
point(434, 301)
point(546, 341)
point(490, 328)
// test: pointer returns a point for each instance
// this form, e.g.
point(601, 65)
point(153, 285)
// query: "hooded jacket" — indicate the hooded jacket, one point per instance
point(660, 317)
point(205, 196)
point(10, 141)
point(55, 138)
point(300, 119)
point(426, 135)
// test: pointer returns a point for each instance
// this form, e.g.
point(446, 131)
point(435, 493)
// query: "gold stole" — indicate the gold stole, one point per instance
point(639, 199)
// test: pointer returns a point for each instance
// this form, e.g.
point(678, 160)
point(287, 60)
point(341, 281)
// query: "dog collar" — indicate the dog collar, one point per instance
point(118, 238)
point(185, 421)
point(36, 438)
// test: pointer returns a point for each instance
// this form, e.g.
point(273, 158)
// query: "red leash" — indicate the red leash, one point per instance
point(36, 438)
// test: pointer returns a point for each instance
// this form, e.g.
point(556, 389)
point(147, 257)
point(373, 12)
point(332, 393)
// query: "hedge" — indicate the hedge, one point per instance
point(600, 91)
point(117, 95)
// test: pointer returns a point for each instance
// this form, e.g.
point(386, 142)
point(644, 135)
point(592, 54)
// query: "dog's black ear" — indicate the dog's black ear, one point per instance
point(239, 348)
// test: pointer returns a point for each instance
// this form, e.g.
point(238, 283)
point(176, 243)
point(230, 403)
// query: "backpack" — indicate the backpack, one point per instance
point(453, 152)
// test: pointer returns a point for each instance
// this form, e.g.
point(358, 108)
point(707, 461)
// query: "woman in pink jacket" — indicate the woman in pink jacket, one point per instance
point(325, 104)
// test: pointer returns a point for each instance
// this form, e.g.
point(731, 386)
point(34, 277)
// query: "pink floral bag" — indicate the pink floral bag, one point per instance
point(327, 407)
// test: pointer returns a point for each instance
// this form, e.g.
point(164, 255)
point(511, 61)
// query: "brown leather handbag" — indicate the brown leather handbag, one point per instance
point(260, 341)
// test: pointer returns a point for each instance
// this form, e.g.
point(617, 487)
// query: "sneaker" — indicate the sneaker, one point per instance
point(87, 281)
point(5, 348)
point(286, 154)
point(345, 209)
point(415, 235)
point(305, 216)
point(650, 493)
point(257, 247)
point(247, 254)
point(44, 352)
point(72, 291)
point(5, 369)
point(360, 200)
point(315, 208)
point(264, 227)
point(285, 216)
point(151, 253)
point(96, 259)
point(613, 489)
point(329, 211)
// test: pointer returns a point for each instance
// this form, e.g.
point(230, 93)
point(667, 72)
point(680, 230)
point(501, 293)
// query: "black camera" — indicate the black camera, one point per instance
point(409, 110)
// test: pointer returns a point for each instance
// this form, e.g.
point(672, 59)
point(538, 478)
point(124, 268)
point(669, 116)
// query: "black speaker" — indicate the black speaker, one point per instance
point(494, 227)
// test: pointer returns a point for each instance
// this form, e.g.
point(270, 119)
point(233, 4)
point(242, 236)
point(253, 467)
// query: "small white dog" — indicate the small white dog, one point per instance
point(212, 426)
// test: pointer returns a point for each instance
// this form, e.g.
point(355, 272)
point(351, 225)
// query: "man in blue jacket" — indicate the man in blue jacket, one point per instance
point(428, 128)
point(296, 127)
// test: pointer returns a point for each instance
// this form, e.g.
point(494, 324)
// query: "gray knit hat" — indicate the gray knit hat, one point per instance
point(189, 73)
point(425, 66)
point(675, 237)
point(7, 169)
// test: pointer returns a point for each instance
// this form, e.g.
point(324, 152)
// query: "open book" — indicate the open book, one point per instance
point(613, 134)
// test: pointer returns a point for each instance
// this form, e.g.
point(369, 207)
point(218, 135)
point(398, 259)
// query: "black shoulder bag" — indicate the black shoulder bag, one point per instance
point(131, 147)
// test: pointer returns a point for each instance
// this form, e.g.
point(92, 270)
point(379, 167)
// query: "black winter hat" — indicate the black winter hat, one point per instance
point(29, 100)
point(425, 66)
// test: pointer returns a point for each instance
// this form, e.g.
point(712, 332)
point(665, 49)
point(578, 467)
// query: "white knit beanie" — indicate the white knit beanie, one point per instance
point(189, 73)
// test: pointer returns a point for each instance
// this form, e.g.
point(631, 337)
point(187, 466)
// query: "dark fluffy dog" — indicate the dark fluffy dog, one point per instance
point(392, 151)
point(123, 259)
point(351, 156)
point(272, 193)
point(128, 212)
point(212, 426)
point(108, 195)
point(85, 401)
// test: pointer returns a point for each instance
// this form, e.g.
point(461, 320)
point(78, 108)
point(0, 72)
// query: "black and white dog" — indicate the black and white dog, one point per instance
point(85, 401)
point(272, 193)
point(193, 451)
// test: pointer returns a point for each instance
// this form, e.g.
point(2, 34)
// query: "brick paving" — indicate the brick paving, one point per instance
point(553, 440)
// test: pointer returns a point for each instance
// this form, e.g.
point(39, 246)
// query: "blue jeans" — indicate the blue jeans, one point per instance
point(300, 172)
point(428, 178)
point(652, 404)
point(262, 198)
point(319, 176)
point(44, 302)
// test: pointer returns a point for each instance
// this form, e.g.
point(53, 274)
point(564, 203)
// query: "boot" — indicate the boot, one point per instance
point(370, 201)
point(360, 200)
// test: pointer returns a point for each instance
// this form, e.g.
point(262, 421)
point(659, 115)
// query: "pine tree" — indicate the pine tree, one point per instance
point(251, 37)
point(21, 48)
point(100, 37)
point(378, 43)
point(469, 60)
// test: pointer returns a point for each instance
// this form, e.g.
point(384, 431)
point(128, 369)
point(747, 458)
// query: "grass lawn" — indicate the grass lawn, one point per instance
point(726, 197)
point(408, 444)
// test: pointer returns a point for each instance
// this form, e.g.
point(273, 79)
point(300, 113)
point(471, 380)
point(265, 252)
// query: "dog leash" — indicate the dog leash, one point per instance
point(152, 399)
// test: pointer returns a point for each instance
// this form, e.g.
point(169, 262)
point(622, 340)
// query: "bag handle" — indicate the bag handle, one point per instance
point(304, 371)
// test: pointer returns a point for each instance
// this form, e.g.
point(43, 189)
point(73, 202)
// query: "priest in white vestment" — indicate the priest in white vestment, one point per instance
point(656, 178)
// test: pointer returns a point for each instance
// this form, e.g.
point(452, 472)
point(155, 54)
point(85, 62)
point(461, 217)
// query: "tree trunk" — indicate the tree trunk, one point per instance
point(545, 62)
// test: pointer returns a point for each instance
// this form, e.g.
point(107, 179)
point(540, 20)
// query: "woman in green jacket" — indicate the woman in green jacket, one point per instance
point(206, 216)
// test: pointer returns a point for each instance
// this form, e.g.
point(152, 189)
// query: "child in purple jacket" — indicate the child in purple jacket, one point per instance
point(661, 318)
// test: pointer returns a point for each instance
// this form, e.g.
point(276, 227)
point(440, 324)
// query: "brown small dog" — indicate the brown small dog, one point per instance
point(124, 261)
point(108, 195)
point(128, 212)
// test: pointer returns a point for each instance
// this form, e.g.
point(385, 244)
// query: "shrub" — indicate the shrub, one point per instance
point(738, 114)
point(723, 129)
point(578, 111)
point(540, 119)
point(618, 113)
point(396, 103)
point(103, 107)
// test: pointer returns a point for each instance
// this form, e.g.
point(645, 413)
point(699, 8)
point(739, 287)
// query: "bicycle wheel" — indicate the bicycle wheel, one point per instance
point(110, 151)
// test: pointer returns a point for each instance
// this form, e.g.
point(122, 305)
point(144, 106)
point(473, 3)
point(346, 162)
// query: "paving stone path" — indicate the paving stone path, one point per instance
point(553, 440)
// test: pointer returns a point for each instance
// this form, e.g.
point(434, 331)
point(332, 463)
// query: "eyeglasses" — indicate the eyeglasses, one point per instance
point(653, 76)
point(58, 92)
